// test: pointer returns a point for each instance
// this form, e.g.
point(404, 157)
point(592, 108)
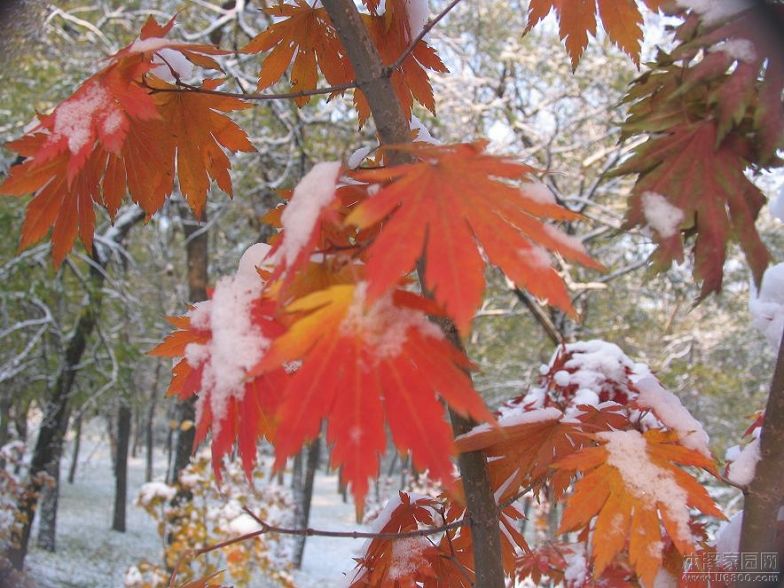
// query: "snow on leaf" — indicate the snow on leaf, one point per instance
point(220, 341)
point(705, 180)
point(444, 206)
point(388, 563)
point(363, 364)
point(631, 485)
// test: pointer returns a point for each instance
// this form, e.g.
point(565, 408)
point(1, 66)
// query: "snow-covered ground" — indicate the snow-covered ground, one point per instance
point(90, 555)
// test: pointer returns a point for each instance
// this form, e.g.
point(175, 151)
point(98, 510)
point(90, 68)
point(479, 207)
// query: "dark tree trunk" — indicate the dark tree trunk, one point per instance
point(137, 432)
point(196, 249)
point(124, 416)
point(5, 421)
point(50, 497)
point(48, 446)
point(314, 452)
point(112, 435)
point(77, 445)
point(149, 422)
point(765, 494)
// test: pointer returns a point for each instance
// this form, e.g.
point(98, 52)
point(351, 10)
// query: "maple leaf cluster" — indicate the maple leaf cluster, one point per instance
point(711, 110)
point(618, 465)
point(125, 130)
point(332, 332)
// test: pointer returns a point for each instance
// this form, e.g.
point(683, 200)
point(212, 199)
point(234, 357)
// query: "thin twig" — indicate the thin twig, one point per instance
point(183, 87)
point(425, 30)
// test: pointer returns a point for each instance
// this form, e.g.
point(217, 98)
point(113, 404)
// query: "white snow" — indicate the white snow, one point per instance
point(776, 206)
point(358, 156)
point(418, 12)
point(112, 122)
point(741, 470)
point(576, 571)
point(595, 361)
point(155, 490)
point(152, 44)
point(645, 480)
point(313, 193)
point(517, 416)
point(236, 344)
point(538, 192)
point(74, 119)
point(406, 556)
point(166, 60)
point(563, 239)
point(243, 525)
point(423, 133)
point(767, 306)
point(728, 535)
point(714, 11)
point(668, 409)
point(740, 49)
point(660, 215)
point(384, 327)
point(535, 256)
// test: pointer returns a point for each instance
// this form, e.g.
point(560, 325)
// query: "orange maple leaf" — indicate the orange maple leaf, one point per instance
point(632, 485)
point(307, 36)
point(455, 198)
point(577, 19)
point(363, 364)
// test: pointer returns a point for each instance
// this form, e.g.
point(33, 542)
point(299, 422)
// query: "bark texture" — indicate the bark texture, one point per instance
point(121, 467)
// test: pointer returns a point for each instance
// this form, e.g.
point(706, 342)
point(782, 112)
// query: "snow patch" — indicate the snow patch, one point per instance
point(166, 60)
point(237, 344)
point(776, 206)
point(151, 491)
point(152, 44)
point(660, 215)
point(668, 409)
point(714, 11)
point(576, 571)
point(406, 557)
point(418, 12)
point(313, 194)
point(742, 469)
point(358, 156)
point(423, 133)
point(74, 118)
point(767, 305)
point(384, 327)
point(648, 482)
point(538, 192)
point(728, 535)
point(739, 49)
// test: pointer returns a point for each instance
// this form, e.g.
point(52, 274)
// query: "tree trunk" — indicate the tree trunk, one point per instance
point(76, 447)
point(5, 421)
point(314, 453)
point(48, 446)
point(196, 249)
point(124, 416)
point(765, 494)
point(149, 422)
point(50, 497)
point(137, 432)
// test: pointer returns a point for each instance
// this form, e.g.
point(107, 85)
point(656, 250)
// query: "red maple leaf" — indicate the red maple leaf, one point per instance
point(443, 207)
